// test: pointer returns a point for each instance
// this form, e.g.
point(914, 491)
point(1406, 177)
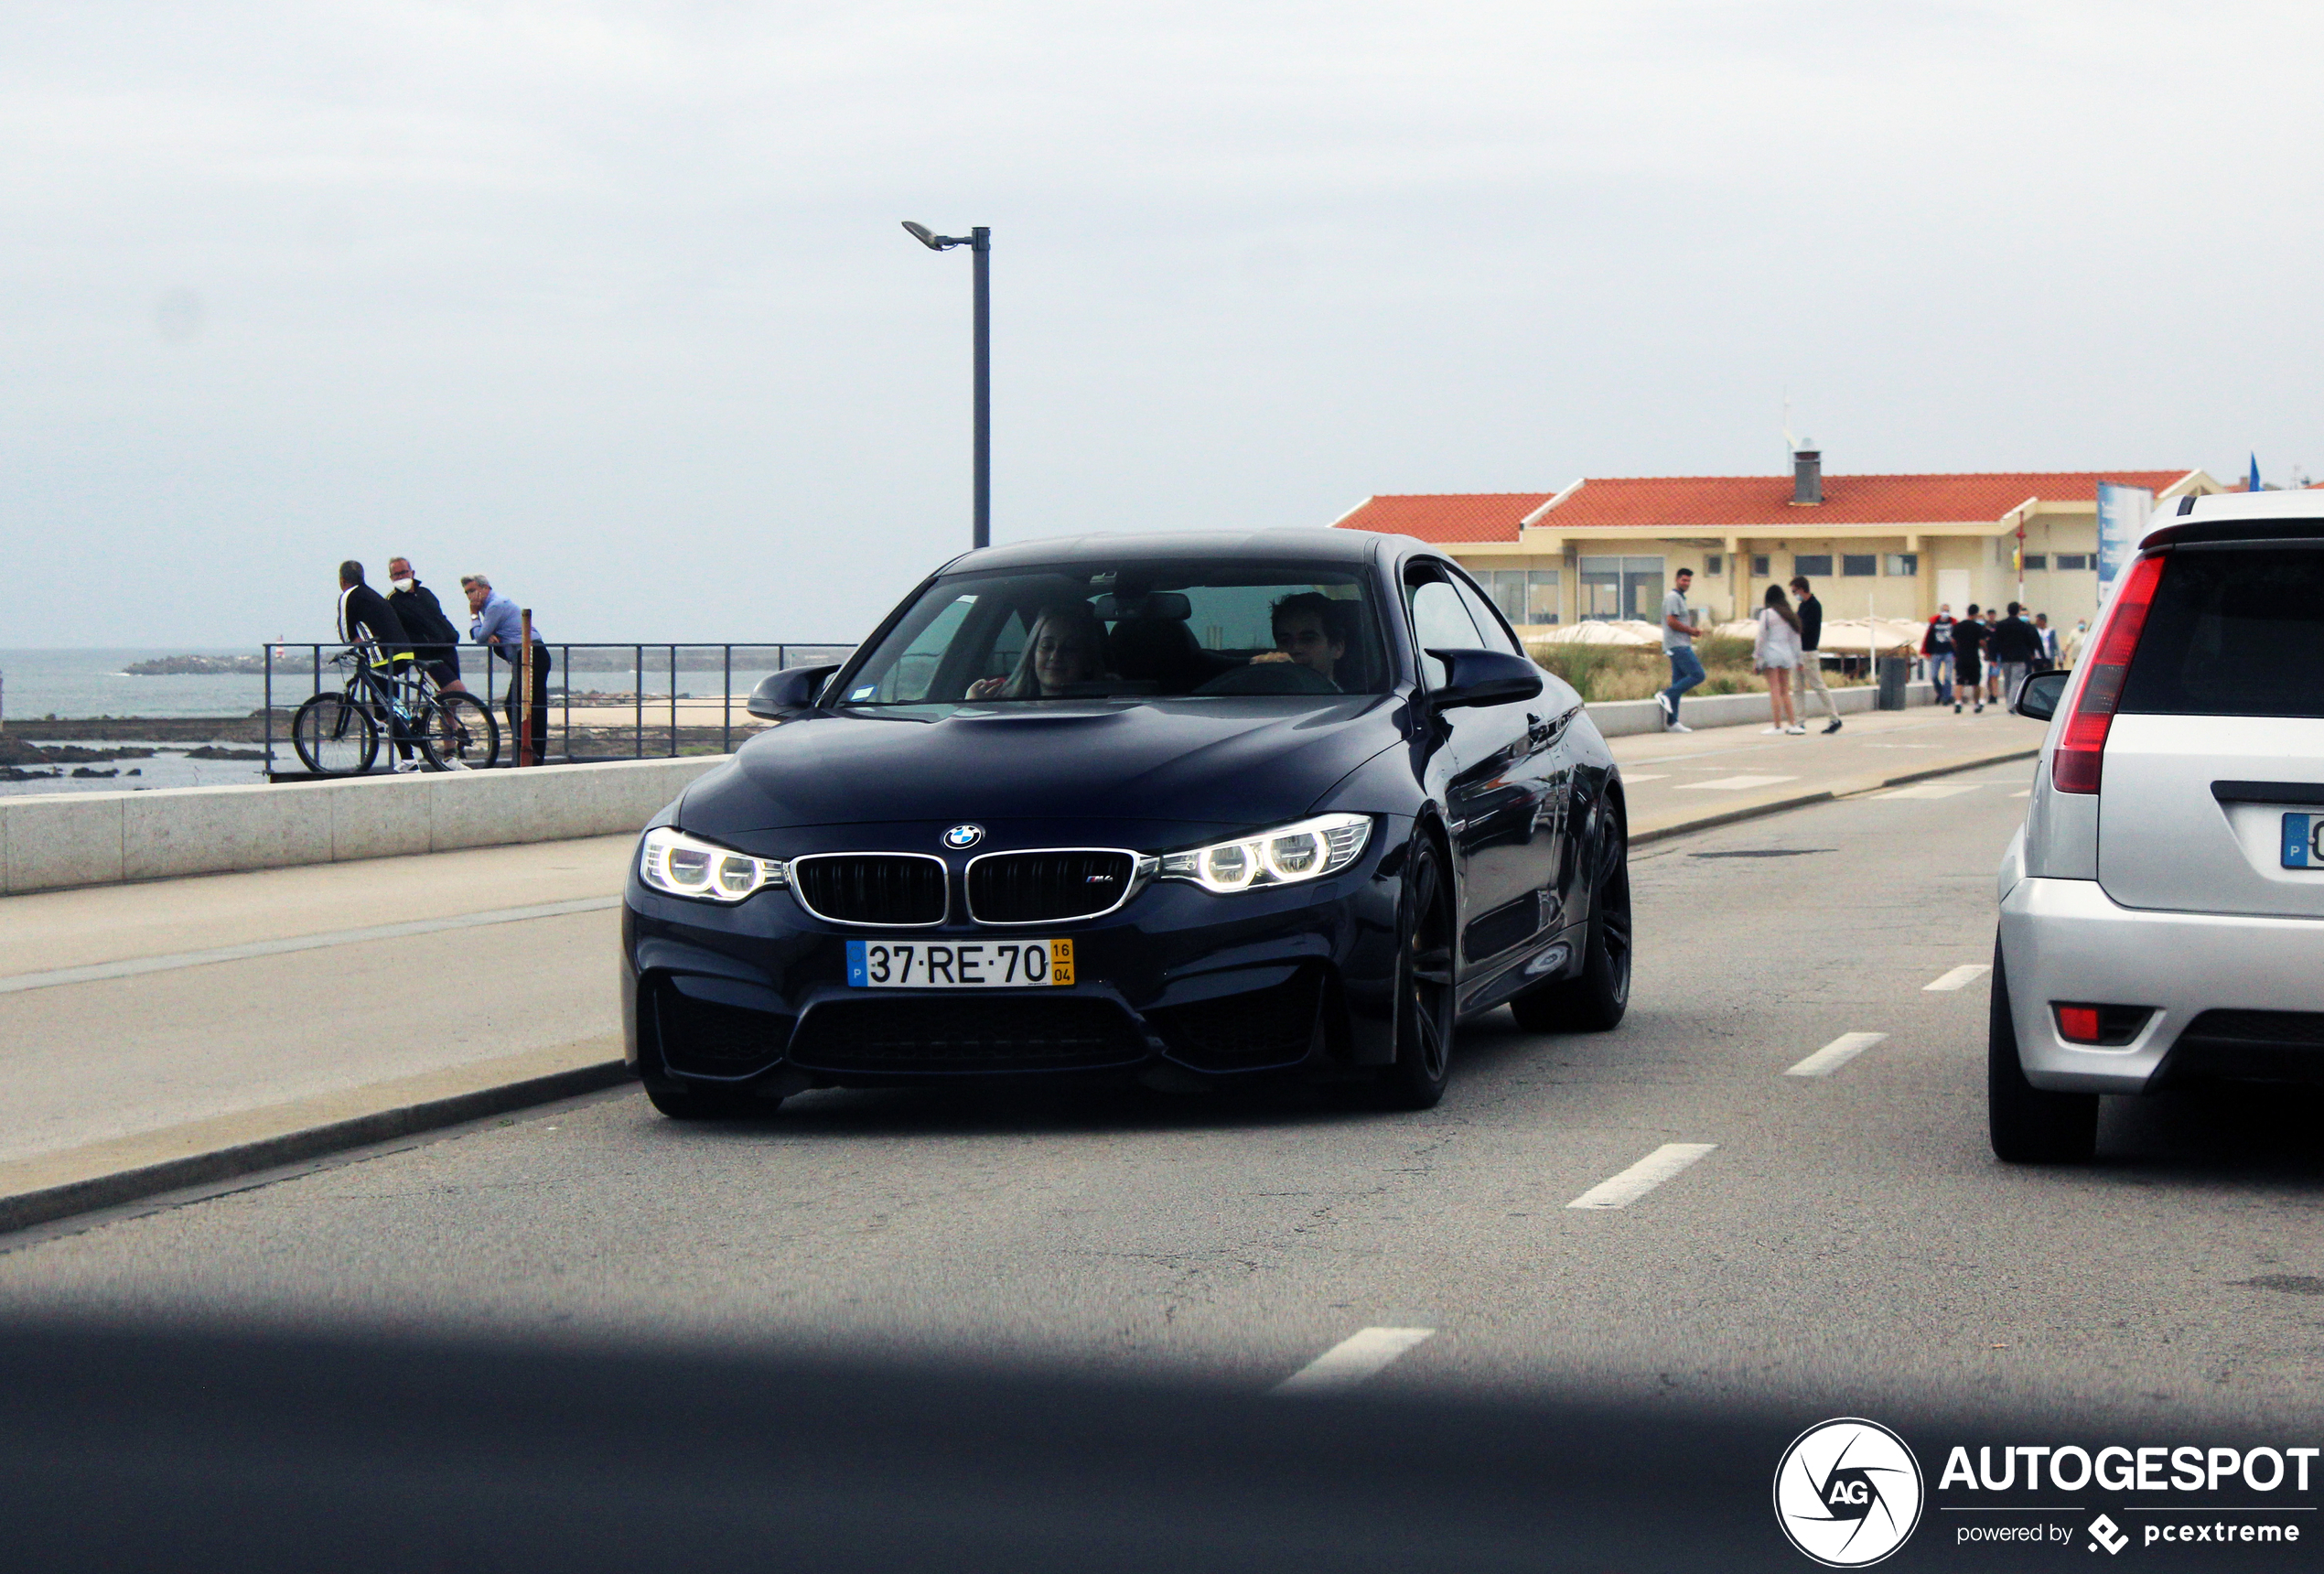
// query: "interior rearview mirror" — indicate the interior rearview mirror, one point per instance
point(2037, 696)
point(785, 694)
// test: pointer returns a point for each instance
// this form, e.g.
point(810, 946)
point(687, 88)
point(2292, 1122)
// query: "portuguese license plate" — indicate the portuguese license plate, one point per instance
point(2304, 841)
point(959, 964)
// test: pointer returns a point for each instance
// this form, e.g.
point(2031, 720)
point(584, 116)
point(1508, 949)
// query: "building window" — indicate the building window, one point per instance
point(1760, 569)
point(1715, 563)
point(1523, 594)
point(2036, 560)
point(1860, 564)
point(2069, 560)
point(2004, 549)
point(1622, 587)
point(1902, 565)
point(1811, 564)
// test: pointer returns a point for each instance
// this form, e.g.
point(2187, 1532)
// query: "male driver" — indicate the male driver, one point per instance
point(434, 641)
point(1304, 633)
point(499, 624)
point(1811, 667)
point(1678, 644)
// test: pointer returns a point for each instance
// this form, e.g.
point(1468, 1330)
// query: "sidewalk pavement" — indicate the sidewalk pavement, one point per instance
point(1680, 781)
point(180, 1032)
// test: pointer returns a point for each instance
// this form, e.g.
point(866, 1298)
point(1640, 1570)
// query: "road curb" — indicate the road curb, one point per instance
point(46, 1204)
point(1860, 785)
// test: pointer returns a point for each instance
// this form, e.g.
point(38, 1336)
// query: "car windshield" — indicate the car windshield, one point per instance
point(1128, 631)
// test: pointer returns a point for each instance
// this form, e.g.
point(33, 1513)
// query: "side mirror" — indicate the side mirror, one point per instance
point(1484, 678)
point(2038, 695)
point(783, 694)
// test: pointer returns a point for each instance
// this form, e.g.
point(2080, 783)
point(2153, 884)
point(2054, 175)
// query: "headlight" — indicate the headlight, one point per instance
point(1284, 855)
point(685, 865)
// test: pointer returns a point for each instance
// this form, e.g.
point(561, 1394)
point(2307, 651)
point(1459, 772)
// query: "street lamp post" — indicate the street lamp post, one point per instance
point(979, 240)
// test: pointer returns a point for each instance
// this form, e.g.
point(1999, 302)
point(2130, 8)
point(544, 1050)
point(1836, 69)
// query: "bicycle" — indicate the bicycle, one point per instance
point(336, 733)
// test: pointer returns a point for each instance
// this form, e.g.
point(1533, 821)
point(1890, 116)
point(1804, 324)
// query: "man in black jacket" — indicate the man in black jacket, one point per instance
point(1968, 648)
point(2017, 646)
point(434, 639)
point(366, 619)
point(1811, 668)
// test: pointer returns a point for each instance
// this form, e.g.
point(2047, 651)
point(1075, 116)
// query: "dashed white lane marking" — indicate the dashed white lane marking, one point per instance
point(1354, 1359)
point(1931, 790)
point(137, 965)
point(1636, 776)
point(1734, 784)
point(2023, 792)
point(1834, 1055)
point(1643, 1177)
point(1961, 978)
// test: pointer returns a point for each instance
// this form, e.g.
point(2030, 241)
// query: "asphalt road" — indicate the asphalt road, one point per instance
point(1845, 1240)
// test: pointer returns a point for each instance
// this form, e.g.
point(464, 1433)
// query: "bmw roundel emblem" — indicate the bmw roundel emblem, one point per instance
point(964, 836)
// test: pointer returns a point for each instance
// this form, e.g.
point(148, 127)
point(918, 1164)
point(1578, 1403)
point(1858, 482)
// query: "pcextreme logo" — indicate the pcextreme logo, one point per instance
point(1848, 1492)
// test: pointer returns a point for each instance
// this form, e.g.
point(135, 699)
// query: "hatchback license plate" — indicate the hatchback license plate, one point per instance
point(959, 964)
point(2301, 834)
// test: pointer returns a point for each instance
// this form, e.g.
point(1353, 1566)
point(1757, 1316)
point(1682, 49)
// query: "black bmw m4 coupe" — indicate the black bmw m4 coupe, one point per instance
point(1183, 808)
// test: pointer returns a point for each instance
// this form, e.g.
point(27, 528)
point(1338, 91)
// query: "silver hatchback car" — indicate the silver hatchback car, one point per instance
point(2162, 910)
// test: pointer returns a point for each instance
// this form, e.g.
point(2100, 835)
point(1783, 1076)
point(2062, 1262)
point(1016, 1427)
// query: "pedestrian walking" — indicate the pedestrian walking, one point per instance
point(1811, 667)
point(500, 625)
point(2049, 657)
point(2016, 648)
point(1936, 646)
point(1678, 644)
point(1775, 652)
point(1993, 670)
point(2069, 642)
point(1968, 670)
point(434, 642)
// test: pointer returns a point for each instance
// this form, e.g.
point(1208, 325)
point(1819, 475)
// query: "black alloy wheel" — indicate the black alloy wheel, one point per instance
point(1595, 999)
point(2029, 1124)
point(708, 1103)
point(1425, 1014)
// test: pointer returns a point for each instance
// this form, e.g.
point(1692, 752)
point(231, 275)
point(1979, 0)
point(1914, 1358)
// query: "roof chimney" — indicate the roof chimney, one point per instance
point(1807, 476)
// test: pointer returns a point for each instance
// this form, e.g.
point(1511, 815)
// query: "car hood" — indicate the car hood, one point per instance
point(1231, 762)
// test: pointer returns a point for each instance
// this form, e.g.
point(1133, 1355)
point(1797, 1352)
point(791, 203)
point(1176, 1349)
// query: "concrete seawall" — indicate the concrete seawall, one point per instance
point(52, 842)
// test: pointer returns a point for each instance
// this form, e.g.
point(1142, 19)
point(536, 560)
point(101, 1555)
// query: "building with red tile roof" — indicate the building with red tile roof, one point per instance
point(1895, 544)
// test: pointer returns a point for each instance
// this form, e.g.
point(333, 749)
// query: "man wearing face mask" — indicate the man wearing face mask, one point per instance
point(434, 639)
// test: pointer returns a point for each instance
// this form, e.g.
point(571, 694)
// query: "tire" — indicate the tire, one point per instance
point(708, 1103)
point(459, 732)
point(1595, 999)
point(2029, 1124)
point(334, 737)
point(1423, 1002)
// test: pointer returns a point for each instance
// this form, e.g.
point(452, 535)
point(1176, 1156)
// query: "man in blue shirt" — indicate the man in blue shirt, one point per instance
point(499, 624)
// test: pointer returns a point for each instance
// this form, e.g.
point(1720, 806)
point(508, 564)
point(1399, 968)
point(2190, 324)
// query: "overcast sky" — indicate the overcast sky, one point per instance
point(610, 300)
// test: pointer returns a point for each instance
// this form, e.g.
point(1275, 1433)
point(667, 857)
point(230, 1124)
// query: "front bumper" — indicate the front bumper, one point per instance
point(1216, 986)
point(2064, 940)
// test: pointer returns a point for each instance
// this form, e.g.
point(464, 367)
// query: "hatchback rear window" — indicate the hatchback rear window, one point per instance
point(2233, 632)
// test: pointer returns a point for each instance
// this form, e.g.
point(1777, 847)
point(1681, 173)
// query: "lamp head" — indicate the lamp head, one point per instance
point(924, 235)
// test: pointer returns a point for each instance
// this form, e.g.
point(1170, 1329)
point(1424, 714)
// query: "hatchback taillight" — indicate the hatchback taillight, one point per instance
point(2082, 747)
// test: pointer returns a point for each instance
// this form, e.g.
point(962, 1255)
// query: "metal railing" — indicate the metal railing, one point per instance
point(585, 725)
